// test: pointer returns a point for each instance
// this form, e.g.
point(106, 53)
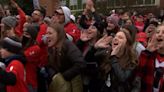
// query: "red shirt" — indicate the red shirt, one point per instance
point(32, 55)
point(72, 30)
point(146, 70)
point(22, 20)
point(139, 25)
point(17, 68)
point(42, 45)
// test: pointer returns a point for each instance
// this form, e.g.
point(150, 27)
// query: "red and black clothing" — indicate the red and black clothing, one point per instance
point(73, 31)
point(146, 71)
point(22, 20)
point(43, 57)
point(14, 76)
point(42, 45)
point(32, 54)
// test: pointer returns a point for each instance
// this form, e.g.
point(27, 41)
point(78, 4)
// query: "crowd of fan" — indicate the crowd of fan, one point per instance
point(121, 52)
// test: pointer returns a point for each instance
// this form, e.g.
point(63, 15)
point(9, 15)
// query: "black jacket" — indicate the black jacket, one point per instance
point(71, 62)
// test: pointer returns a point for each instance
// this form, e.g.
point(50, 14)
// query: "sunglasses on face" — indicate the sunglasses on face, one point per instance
point(57, 13)
point(36, 14)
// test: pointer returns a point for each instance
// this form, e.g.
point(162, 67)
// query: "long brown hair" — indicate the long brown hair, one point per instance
point(61, 36)
point(128, 58)
point(56, 52)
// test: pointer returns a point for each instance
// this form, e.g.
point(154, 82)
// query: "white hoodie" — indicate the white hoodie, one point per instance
point(67, 13)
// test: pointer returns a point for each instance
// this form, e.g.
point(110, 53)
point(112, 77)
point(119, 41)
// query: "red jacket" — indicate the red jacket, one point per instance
point(32, 55)
point(22, 20)
point(146, 70)
point(72, 30)
point(18, 69)
point(42, 45)
point(139, 25)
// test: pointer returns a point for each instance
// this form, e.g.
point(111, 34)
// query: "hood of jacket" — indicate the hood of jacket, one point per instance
point(67, 14)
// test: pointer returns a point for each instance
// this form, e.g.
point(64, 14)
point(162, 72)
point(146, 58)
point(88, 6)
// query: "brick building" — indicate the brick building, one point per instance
point(143, 6)
point(49, 5)
point(104, 6)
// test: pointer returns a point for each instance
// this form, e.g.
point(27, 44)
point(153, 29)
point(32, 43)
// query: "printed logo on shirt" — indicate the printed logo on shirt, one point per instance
point(11, 68)
point(32, 53)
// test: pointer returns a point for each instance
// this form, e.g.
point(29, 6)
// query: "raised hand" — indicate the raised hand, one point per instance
point(152, 44)
point(103, 42)
point(14, 3)
point(84, 36)
point(116, 50)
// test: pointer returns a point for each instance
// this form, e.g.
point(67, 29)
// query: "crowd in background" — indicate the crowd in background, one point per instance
point(119, 52)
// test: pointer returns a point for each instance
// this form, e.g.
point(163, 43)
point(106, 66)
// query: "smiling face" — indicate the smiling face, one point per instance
point(92, 31)
point(119, 39)
point(51, 37)
point(159, 34)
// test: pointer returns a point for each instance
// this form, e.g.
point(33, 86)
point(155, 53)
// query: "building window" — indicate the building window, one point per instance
point(140, 2)
point(63, 2)
point(110, 3)
point(149, 1)
point(117, 2)
point(152, 1)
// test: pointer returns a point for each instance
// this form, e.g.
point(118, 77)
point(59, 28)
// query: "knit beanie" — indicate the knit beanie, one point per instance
point(9, 21)
point(113, 19)
point(11, 44)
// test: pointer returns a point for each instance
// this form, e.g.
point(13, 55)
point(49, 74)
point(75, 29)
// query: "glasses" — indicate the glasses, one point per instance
point(36, 14)
point(57, 13)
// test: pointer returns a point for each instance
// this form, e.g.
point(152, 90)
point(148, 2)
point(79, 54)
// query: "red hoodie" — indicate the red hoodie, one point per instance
point(22, 20)
point(139, 25)
point(72, 30)
point(42, 45)
point(17, 68)
point(32, 55)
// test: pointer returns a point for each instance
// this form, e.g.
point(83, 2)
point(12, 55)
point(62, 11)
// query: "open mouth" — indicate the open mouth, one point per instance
point(48, 40)
point(89, 32)
point(149, 31)
point(159, 40)
point(115, 44)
